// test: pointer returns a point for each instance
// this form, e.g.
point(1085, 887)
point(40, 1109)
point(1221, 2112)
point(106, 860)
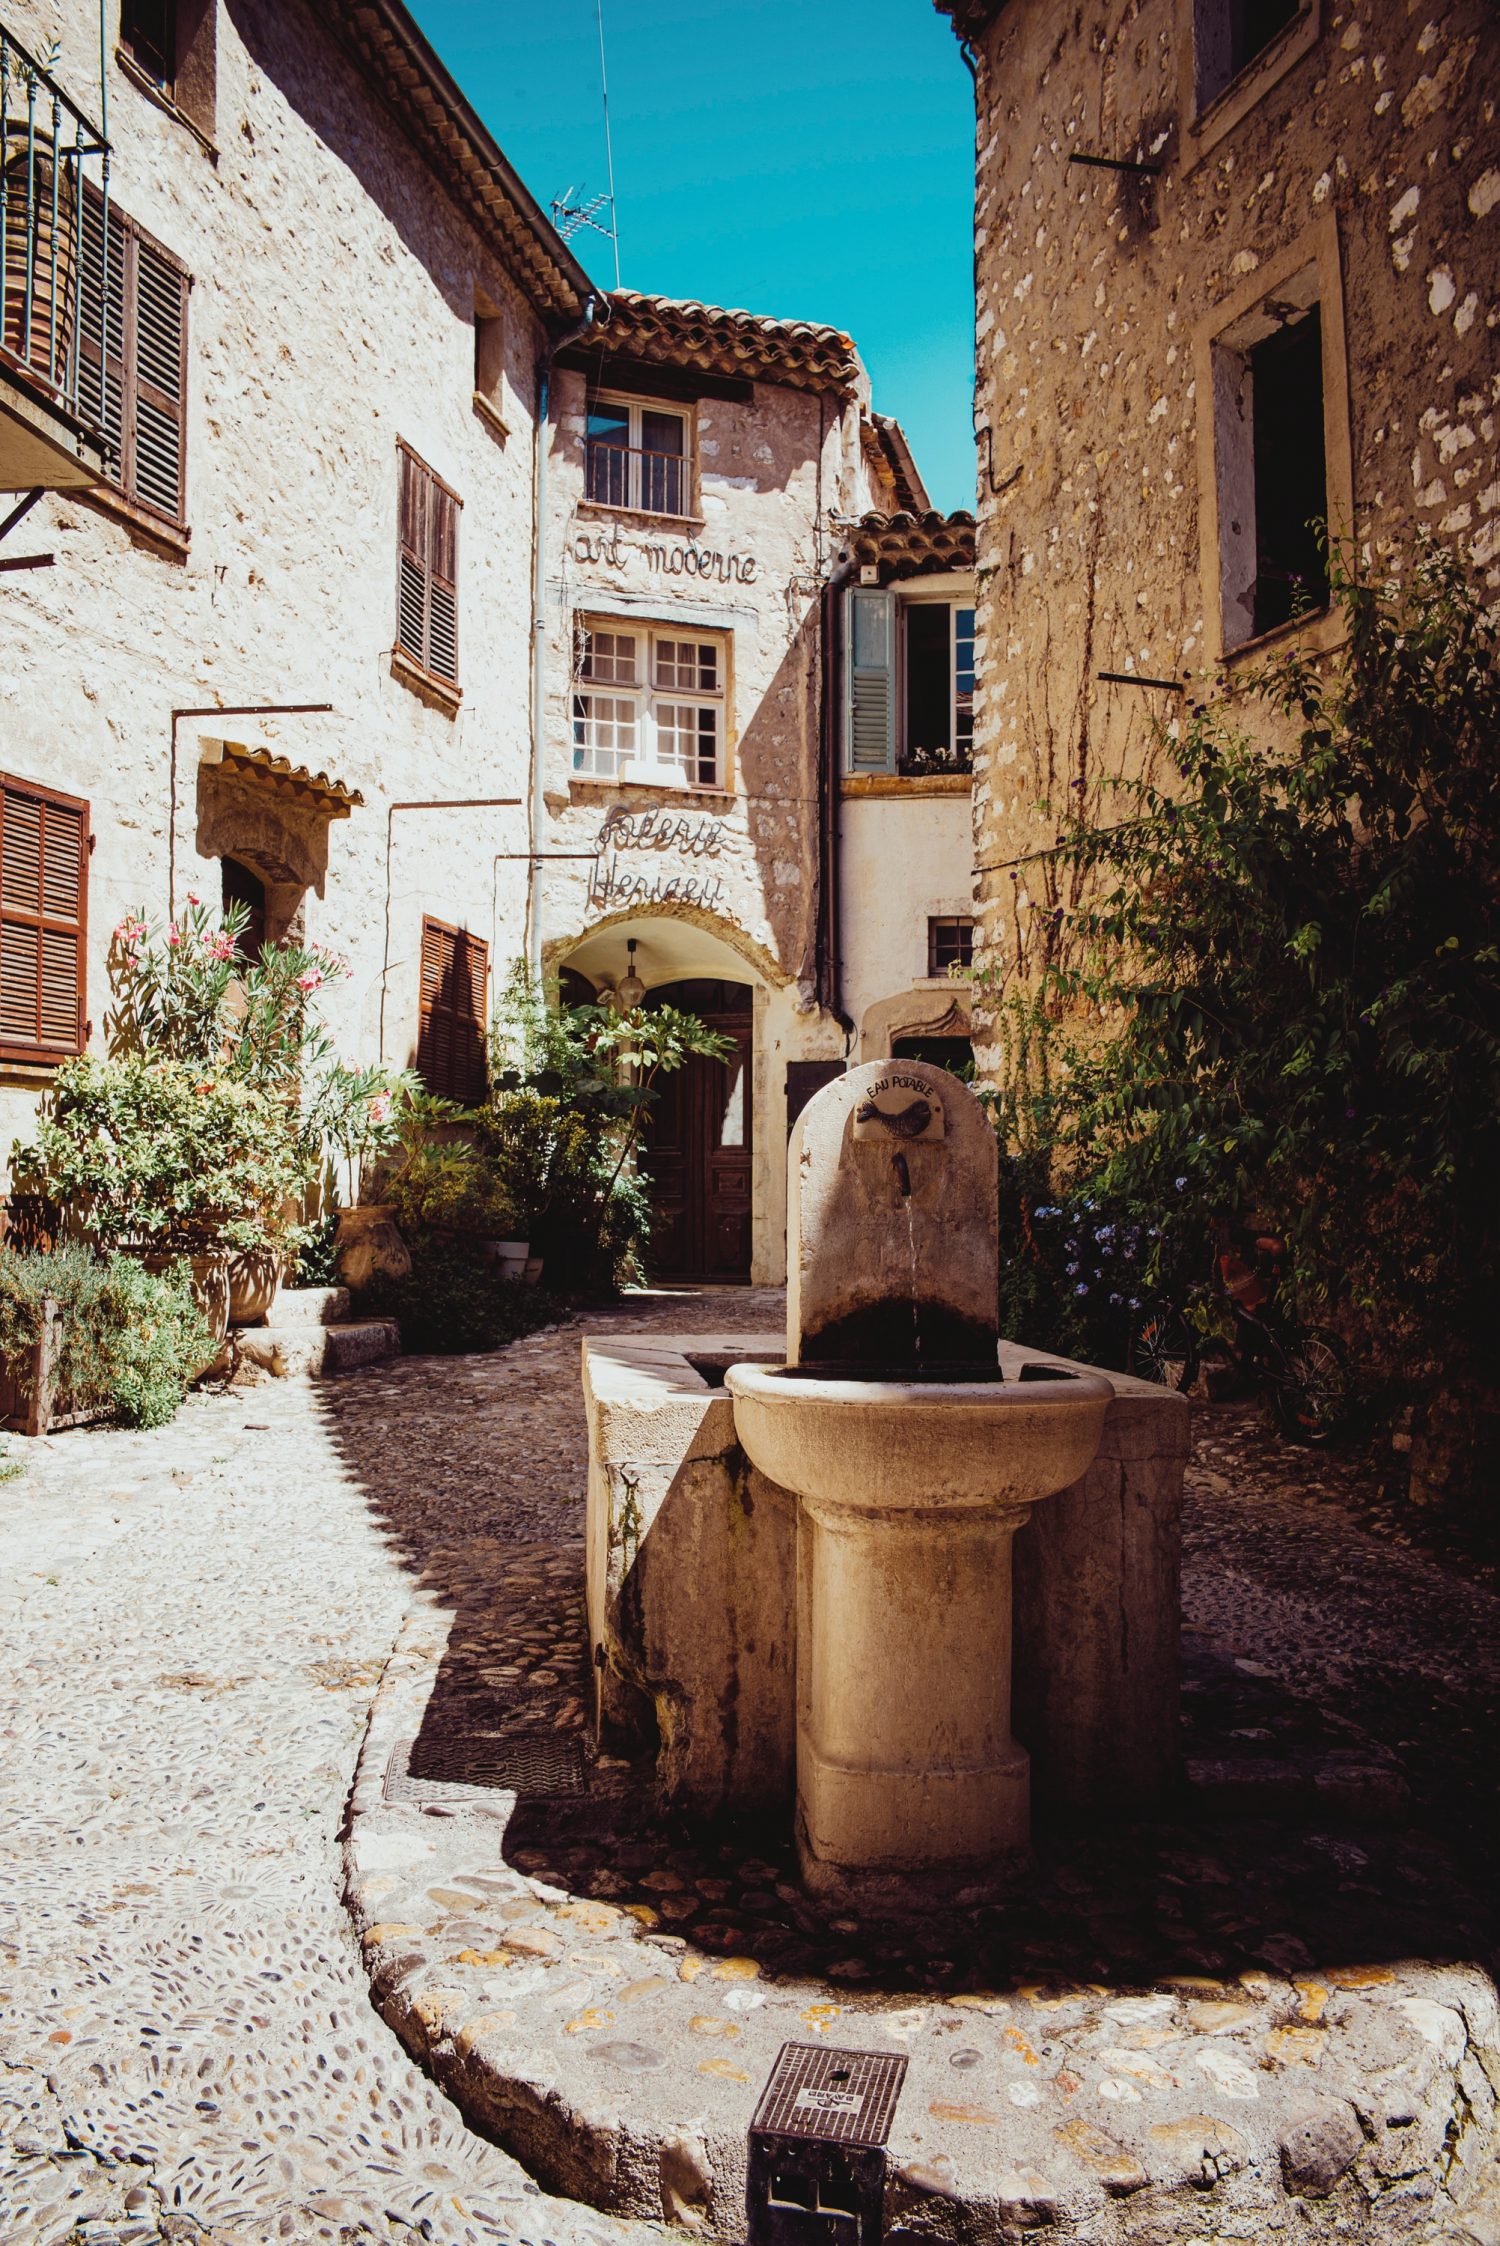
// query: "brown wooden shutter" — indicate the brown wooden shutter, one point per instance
point(44, 859)
point(454, 1009)
point(427, 595)
point(133, 377)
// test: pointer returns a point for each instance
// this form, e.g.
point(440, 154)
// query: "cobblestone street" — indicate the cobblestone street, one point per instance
point(196, 1622)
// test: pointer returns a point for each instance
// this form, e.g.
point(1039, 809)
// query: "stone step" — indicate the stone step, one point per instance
point(310, 1306)
point(307, 1352)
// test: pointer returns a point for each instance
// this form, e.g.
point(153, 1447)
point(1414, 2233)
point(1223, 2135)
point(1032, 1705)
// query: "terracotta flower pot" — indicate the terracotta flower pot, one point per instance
point(210, 1285)
point(254, 1277)
point(367, 1241)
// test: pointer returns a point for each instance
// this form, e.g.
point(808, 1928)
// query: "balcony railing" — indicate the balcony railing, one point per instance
point(654, 483)
point(51, 155)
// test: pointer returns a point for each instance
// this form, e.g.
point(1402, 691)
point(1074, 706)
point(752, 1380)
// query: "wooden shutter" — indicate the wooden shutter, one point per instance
point(454, 1008)
point(133, 372)
point(44, 858)
point(870, 682)
point(427, 594)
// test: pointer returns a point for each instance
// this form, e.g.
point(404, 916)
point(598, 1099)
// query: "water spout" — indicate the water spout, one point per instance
point(903, 1175)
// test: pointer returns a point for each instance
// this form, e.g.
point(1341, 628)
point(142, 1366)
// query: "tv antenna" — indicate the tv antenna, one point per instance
point(569, 216)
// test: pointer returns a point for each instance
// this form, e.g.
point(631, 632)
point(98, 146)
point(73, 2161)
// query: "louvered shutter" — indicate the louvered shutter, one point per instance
point(43, 922)
point(454, 1004)
point(427, 592)
point(870, 682)
point(133, 359)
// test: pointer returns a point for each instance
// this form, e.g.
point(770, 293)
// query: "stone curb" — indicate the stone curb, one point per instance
point(622, 2065)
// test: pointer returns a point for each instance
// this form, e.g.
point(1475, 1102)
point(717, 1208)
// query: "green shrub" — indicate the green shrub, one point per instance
point(453, 1301)
point(131, 1340)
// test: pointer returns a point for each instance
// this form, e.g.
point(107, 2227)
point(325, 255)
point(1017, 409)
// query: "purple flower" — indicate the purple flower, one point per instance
point(1179, 1183)
point(1081, 1288)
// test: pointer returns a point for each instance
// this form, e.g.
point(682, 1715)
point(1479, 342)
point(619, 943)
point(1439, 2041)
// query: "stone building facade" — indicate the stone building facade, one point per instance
point(1236, 268)
point(446, 610)
point(714, 478)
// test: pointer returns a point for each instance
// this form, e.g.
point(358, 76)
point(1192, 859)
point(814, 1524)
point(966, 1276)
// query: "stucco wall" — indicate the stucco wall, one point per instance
point(331, 312)
point(1093, 291)
point(905, 858)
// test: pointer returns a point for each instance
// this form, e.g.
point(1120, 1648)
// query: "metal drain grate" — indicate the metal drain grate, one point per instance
point(467, 1770)
point(818, 2091)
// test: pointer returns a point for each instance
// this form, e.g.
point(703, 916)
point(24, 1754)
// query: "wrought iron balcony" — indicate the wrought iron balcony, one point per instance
point(52, 159)
point(653, 483)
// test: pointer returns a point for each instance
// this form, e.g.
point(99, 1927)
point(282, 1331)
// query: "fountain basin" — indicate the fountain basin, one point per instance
point(909, 1782)
point(875, 1441)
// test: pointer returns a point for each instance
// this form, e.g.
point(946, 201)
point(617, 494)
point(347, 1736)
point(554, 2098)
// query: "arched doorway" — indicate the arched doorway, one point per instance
point(697, 1150)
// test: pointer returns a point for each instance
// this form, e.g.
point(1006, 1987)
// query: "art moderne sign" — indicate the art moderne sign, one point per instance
point(614, 885)
point(709, 563)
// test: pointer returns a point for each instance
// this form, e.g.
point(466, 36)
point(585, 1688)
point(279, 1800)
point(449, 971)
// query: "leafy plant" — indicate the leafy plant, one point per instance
point(452, 1301)
point(151, 1154)
point(130, 1340)
point(1278, 995)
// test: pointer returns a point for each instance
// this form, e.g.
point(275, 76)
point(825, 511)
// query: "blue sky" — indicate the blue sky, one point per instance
point(812, 159)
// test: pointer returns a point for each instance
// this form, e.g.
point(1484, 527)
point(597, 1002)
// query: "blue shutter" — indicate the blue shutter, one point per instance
point(870, 682)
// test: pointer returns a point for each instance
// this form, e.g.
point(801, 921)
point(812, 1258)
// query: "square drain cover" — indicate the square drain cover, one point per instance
point(838, 2097)
point(466, 1769)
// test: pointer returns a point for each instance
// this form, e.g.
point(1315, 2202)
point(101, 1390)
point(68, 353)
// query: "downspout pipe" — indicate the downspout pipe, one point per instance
point(536, 793)
point(830, 963)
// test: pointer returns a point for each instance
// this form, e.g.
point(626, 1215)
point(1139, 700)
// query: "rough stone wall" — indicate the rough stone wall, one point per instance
point(1091, 285)
point(330, 313)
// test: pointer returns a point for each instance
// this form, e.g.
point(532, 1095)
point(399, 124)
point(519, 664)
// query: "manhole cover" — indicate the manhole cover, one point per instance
point(819, 2091)
point(465, 1769)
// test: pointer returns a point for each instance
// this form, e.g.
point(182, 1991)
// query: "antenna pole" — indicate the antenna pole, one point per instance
point(609, 153)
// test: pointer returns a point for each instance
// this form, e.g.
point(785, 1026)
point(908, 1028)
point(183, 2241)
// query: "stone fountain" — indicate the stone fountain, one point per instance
point(801, 1547)
point(915, 1463)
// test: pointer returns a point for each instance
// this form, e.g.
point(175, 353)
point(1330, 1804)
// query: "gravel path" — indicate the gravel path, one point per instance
point(192, 1625)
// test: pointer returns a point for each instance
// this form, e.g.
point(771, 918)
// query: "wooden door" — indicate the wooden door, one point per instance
point(698, 1145)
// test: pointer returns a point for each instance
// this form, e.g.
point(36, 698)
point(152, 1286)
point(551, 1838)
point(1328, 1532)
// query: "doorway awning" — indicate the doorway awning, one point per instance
point(291, 783)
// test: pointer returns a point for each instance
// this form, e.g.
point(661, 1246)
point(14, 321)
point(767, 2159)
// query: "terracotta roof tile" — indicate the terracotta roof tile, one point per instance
point(670, 331)
point(910, 545)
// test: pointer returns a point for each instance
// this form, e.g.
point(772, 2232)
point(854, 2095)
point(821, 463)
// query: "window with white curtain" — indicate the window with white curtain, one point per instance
point(649, 705)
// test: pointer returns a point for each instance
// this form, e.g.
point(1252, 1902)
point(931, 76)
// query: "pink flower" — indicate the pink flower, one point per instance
point(173, 935)
point(220, 946)
point(312, 980)
point(380, 1108)
point(194, 900)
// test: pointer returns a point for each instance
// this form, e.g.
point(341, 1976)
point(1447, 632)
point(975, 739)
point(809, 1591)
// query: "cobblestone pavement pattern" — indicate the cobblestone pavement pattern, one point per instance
point(195, 1622)
point(192, 1625)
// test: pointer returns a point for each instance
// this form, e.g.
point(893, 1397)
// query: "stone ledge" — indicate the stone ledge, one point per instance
point(1351, 2102)
point(308, 1352)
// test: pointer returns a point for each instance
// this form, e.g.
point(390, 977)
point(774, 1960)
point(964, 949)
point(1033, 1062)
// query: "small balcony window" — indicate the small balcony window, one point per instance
point(639, 457)
point(909, 685)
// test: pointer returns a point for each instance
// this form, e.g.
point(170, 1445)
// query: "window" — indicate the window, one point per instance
point(1270, 463)
point(909, 685)
point(649, 705)
point(451, 1025)
point(174, 45)
point(133, 358)
point(1228, 35)
point(638, 456)
point(148, 33)
point(950, 944)
point(427, 595)
point(44, 859)
point(938, 704)
point(489, 364)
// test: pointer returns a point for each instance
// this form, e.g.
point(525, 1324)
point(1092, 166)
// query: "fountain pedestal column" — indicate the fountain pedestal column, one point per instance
point(904, 1750)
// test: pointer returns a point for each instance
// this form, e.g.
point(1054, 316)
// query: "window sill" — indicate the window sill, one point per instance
point(599, 510)
point(489, 413)
point(171, 539)
point(899, 784)
point(30, 1070)
point(1207, 125)
point(144, 83)
point(1317, 633)
point(441, 693)
point(584, 787)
